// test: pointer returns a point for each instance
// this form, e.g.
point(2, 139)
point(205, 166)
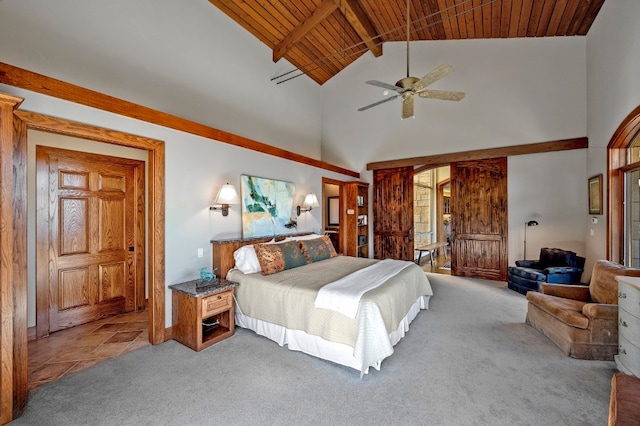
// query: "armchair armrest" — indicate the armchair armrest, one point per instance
point(527, 264)
point(600, 311)
point(567, 291)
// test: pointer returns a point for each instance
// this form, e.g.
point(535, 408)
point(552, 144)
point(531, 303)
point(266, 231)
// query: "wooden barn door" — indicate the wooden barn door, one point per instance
point(89, 249)
point(479, 222)
point(393, 213)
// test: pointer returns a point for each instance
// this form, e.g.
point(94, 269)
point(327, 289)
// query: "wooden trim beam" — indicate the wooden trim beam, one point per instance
point(320, 14)
point(431, 161)
point(358, 19)
point(39, 83)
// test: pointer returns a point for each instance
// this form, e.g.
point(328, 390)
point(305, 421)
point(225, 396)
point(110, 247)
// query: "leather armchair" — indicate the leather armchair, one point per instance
point(581, 320)
point(555, 266)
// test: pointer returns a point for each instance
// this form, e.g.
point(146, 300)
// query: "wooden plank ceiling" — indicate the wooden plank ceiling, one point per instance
point(322, 37)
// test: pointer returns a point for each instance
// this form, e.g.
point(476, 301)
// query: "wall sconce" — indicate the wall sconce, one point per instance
point(526, 225)
point(227, 195)
point(310, 201)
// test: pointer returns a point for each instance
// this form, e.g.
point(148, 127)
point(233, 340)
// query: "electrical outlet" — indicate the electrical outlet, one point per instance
point(200, 252)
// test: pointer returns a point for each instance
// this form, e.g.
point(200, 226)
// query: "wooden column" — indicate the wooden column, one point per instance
point(11, 259)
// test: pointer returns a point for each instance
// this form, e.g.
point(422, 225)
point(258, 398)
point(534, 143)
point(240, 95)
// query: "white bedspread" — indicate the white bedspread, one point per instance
point(344, 294)
point(285, 301)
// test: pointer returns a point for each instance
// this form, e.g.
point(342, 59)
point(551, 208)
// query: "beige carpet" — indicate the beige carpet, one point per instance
point(469, 360)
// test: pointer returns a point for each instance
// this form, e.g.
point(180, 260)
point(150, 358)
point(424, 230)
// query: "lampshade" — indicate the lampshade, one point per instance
point(227, 195)
point(310, 201)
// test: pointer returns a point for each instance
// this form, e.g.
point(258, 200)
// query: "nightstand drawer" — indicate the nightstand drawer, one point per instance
point(629, 299)
point(216, 302)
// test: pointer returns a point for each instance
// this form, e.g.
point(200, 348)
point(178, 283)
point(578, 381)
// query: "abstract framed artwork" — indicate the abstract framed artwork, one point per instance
point(267, 207)
point(595, 194)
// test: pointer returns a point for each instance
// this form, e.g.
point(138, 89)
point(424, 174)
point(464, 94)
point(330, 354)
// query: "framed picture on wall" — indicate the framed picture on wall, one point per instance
point(595, 194)
point(267, 207)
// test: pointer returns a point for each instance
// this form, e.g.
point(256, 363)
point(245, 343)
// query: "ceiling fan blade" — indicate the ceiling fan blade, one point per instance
point(407, 106)
point(384, 85)
point(444, 95)
point(378, 103)
point(433, 76)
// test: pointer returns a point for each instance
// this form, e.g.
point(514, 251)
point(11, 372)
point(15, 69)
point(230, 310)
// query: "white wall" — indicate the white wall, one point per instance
point(518, 91)
point(549, 188)
point(181, 57)
point(195, 168)
point(613, 85)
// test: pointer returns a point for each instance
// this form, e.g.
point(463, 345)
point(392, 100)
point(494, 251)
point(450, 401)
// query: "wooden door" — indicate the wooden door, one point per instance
point(90, 237)
point(393, 213)
point(479, 219)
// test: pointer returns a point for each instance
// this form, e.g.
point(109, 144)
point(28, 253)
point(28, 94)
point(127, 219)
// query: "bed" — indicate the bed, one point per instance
point(282, 305)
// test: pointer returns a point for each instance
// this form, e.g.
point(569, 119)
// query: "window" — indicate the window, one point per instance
point(623, 172)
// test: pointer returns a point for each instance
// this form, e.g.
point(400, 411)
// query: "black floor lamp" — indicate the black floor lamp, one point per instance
point(526, 225)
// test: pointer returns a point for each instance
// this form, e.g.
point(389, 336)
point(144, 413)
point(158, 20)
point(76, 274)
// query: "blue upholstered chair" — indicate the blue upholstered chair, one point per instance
point(555, 266)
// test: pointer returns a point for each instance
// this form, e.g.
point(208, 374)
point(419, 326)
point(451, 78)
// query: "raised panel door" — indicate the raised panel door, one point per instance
point(87, 234)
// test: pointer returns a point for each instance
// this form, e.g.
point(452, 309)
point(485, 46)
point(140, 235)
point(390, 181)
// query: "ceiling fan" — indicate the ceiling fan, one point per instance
point(410, 86)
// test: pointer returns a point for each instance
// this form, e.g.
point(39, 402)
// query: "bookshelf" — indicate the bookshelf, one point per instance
point(356, 214)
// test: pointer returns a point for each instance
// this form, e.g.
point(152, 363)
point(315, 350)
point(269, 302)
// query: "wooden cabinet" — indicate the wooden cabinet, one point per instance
point(356, 219)
point(202, 315)
point(628, 358)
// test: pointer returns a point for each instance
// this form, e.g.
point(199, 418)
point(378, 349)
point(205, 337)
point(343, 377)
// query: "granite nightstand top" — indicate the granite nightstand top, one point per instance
point(200, 288)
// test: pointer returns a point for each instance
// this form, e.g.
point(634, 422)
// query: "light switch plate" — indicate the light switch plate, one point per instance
point(200, 252)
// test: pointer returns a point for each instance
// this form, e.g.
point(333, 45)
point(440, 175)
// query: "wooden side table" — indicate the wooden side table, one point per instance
point(203, 314)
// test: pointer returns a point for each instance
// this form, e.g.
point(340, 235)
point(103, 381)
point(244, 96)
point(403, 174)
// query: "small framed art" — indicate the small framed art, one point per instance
point(595, 194)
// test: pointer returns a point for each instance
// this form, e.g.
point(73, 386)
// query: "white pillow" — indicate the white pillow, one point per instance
point(247, 260)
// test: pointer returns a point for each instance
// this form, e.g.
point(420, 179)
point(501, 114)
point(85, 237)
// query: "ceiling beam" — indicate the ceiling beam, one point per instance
point(28, 80)
point(437, 160)
point(325, 9)
point(358, 19)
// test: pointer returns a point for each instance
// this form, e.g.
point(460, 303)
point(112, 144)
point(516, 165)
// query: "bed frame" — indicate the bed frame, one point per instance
point(295, 339)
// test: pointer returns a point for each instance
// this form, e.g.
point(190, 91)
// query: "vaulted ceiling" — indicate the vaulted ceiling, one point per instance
point(322, 37)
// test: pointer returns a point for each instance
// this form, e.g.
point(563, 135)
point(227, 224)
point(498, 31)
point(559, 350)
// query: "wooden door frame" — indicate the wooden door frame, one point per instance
point(43, 279)
point(341, 225)
point(441, 236)
point(14, 124)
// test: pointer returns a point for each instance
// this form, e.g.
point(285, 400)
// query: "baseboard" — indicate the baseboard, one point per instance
point(31, 333)
point(168, 334)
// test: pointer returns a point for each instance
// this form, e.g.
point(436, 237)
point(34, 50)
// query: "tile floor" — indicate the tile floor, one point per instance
point(73, 349)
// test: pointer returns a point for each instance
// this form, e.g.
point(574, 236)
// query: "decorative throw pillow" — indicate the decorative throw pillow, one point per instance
point(318, 249)
point(278, 257)
point(246, 259)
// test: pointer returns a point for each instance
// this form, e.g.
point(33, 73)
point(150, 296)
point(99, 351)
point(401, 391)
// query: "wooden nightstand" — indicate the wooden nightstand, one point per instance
point(203, 316)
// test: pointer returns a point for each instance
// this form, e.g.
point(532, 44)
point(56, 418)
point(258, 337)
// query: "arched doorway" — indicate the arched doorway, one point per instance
point(618, 163)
